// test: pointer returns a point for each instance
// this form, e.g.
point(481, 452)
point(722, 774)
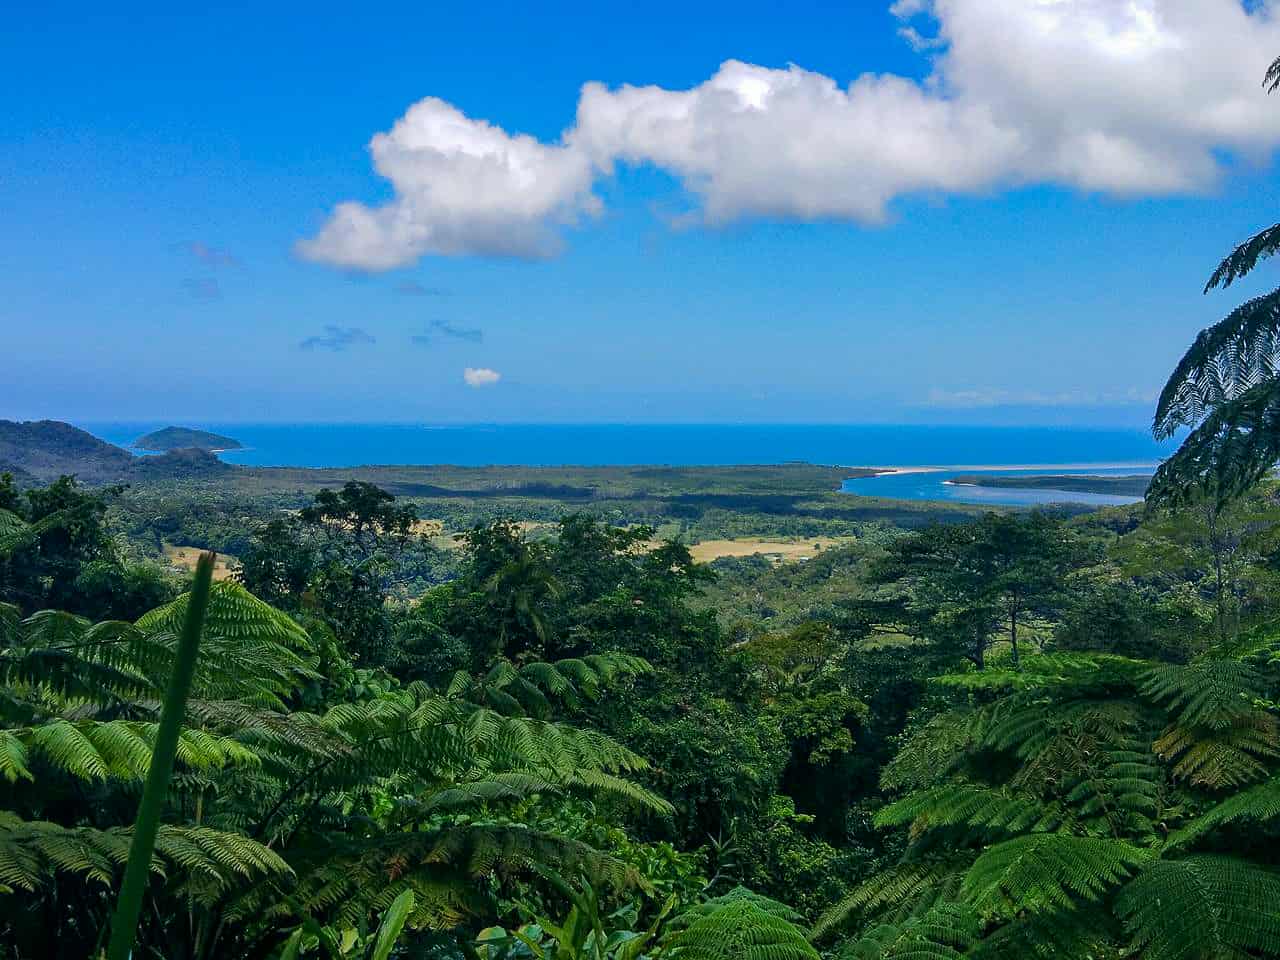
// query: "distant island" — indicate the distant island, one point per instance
point(185, 438)
point(1133, 485)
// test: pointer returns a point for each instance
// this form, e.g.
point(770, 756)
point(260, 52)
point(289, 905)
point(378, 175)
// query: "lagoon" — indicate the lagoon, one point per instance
point(935, 484)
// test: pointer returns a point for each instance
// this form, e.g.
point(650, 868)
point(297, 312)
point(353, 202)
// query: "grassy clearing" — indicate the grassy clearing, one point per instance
point(184, 559)
point(779, 549)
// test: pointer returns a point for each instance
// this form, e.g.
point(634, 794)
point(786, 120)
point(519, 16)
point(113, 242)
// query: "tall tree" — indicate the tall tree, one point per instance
point(338, 559)
point(963, 586)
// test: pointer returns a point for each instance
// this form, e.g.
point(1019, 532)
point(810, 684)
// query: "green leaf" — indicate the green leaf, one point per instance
point(392, 923)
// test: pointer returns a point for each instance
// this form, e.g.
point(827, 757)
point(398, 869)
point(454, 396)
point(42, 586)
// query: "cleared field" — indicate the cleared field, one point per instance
point(782, 549)
point(184, 558)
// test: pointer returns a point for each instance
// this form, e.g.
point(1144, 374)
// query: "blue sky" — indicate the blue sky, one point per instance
point(170, 183)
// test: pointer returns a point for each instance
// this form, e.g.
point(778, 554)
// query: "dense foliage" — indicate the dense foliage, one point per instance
point(1022, 734)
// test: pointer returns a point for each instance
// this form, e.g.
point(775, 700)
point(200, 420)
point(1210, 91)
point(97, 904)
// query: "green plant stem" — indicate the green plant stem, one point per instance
point(125, 923)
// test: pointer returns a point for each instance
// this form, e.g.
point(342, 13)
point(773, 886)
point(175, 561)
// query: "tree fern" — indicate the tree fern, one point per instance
point(740, 925)
point(1226, 387)
point(1049, 871)
point(203, 863)
point(1234, 447)
point(1258, 805)
point(899, 891)
point(303, 817)
point(931, 753)
point(1225, 361)
point(1082, 932)
point(96, 750)
point(967, 804)
point(1202, 906)
point(532, 687)
point(946, 932)
point(1218, 736)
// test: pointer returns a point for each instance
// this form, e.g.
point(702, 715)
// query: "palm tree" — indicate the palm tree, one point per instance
point(1226, 387)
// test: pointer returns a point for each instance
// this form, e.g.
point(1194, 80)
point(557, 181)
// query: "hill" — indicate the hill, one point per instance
point(46, 449)
point(185, 438)
point(186, 463)
point(40, 451)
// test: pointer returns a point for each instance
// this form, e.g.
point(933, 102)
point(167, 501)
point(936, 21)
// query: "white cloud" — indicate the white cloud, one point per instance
point(480, 376)
point(461, 186)
point(1129, 97)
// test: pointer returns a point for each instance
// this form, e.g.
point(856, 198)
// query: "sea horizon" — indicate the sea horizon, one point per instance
point(879, 446)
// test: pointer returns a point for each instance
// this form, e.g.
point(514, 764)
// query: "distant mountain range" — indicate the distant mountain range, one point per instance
point(39, 451)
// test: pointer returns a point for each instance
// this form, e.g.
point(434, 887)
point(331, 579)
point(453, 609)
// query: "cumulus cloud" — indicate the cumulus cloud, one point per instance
point(1126, 97)
point(462, 186)
point(480, 376)
point(337, 339)
point(439, 330)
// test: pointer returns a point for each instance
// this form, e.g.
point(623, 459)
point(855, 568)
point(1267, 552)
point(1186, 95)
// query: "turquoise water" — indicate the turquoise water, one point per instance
point(934, 486)
point(345, 445)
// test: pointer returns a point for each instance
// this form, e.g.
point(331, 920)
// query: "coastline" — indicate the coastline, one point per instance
point(881, 471)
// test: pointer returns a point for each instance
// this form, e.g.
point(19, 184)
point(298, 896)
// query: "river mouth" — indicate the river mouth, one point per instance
point(940, 484)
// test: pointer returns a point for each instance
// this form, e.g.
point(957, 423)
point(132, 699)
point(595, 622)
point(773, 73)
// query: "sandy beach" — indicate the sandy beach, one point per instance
point(1046, 467)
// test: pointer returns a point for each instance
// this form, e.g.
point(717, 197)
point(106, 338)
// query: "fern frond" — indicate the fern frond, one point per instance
point(1233, 448)
point(1225, 360)
point(203, 863)
point(11, 525)
point(501, 787)
point(1259, 804)
point(1085, 932)
point(250, 651)
point(1208, 693)
point(233, 613)
point(1219, 737)
point(1261, 245)
point(1221, 758)
point(532, 688)
point(1202, 906)
point(967, 804)
point(96, 750)
point(346, 879)
point(1079, 672)
point(1049, 871)
point(946, 932)
point(741, 925)
point(898, 891)
point(931, 754)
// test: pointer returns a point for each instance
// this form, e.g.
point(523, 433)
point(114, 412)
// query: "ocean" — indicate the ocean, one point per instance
point(349, 444)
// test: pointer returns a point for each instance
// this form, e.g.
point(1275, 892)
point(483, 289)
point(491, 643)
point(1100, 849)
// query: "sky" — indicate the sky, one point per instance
point(950, 211)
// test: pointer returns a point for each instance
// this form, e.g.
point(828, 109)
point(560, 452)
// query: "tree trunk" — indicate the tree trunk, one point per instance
point(1013, 637)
